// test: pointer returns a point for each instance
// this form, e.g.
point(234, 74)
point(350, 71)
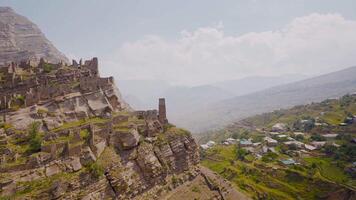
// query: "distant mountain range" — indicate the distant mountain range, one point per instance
point(252, 84)
point(220, 113)
point(20, 39)
point(143, 94)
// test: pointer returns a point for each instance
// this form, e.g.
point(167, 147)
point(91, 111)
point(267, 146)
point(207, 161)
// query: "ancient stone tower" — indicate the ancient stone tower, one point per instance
point(162, 117)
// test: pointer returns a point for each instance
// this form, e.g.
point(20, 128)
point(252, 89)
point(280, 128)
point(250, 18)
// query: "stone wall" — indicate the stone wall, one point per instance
point(39, 83)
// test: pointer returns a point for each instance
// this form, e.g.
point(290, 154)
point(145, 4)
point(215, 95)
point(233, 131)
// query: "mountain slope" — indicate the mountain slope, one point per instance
point(314, 89)
point(20, 40)
point(253, 84)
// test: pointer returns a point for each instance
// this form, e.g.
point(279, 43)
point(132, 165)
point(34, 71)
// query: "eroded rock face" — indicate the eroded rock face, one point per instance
point(153, 164)
point(128, 139)
point(21, 40)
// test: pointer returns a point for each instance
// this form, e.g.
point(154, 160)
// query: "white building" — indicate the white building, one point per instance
point(271, 142)
point(318, 144)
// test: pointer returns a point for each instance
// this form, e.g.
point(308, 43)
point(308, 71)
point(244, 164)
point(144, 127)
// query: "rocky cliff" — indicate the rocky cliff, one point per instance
point(20, 40)
point(65, 133)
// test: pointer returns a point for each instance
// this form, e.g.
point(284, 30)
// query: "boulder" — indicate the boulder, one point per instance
point(74, 164)
point(52, 170)
point(58, 189)
point(87, 156)
point(128, 139)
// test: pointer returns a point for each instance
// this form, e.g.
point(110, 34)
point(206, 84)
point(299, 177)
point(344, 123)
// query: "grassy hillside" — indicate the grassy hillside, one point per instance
point(316, 174)
point(271, 180)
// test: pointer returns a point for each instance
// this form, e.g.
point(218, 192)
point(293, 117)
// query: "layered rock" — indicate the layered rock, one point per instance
point(21, 40)
point(67, 131)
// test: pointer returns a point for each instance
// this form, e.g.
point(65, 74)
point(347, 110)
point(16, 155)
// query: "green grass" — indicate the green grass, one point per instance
point(31, 189)
point(273, 179)
point(328, 170)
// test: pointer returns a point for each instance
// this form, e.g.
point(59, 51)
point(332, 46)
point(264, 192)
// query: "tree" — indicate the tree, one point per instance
point(317, 137)
point(329, 149)
point(235, 135)
point(269, 157)
point(241, 153)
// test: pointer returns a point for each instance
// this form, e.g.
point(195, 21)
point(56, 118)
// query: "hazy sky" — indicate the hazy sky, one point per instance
point(200, 41)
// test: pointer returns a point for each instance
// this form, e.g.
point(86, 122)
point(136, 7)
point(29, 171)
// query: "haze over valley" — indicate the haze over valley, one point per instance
point(223, 100)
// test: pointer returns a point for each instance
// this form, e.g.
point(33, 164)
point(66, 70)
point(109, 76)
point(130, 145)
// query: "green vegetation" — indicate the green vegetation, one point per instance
point(195, 189)
point(5, 126)
point(95, 170)
point(273, 180)
point(35, 140)
point(327, 169)
point(316, 173)
point(47, 67)
point(174, 180)
point(241, 153)
point(42, 111)
point(31, 189)
point(174, 131)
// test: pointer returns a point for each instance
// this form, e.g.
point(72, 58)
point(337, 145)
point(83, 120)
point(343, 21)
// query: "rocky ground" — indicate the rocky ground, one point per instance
point(199, 188)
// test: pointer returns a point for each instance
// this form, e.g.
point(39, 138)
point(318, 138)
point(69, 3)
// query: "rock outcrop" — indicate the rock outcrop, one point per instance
point(21, 40)
point(67, 131)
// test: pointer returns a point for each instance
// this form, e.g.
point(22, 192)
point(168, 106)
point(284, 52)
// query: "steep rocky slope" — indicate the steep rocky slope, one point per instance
point(21, 40)
point(65, 133)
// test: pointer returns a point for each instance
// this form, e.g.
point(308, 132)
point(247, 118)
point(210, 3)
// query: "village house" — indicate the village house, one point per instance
point(272, 134)
point(289, 161)
point(245, 143)
point(309, 147)
point(208, 145)
point(330, 136)
point(230, 141)
point(297, 144)
point(279, 127)
point(266, 149)
point(318, 144)
point(298, 133)
point(271, 142)
point(282, 136)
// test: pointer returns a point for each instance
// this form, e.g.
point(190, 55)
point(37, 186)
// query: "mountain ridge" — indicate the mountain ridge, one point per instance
point(325, 86)
point(22, 40)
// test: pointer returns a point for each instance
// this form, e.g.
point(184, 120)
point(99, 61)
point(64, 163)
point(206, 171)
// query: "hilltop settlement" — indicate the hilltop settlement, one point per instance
point(65, 132)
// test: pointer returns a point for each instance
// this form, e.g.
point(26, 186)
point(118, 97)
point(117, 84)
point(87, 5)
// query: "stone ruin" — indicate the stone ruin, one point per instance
point(27, 83)
point(162, 116)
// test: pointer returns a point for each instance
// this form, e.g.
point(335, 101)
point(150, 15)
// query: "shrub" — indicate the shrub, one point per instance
point(42, 111)
point(241, 153)
point(6, 126)
point(35, 140)
point(317, 137)
point(174, 180)
point(47, 67)
point(195, 189)
point(269, 157)
point(95, 170)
